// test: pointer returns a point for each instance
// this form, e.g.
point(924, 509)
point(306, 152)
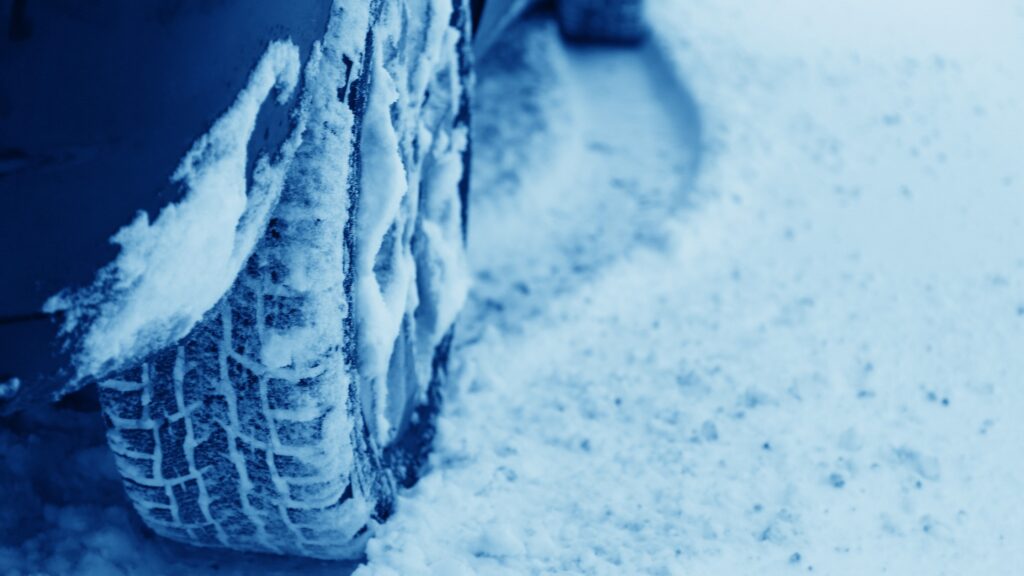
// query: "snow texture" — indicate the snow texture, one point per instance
point(747, 300)
point(814, 368)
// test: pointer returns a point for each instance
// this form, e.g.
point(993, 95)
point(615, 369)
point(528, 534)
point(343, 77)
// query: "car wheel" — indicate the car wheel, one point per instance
point(287, 418)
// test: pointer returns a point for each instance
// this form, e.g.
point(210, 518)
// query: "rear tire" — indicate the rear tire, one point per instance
point(288, 417)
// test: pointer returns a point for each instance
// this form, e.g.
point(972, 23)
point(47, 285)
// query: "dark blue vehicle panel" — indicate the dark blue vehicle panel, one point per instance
point(100, 100)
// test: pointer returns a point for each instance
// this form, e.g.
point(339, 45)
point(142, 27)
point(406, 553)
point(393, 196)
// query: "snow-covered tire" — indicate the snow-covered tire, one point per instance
point(288, 417)
point(621, 21)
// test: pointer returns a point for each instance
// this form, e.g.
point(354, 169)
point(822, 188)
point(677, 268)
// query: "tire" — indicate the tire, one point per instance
point(621, 21)
point(286, 420)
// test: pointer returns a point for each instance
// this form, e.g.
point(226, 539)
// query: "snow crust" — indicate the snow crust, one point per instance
point(169, 272)
point(321, 178)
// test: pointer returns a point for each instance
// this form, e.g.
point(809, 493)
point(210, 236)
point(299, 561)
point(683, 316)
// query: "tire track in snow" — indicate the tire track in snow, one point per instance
point(622, 147)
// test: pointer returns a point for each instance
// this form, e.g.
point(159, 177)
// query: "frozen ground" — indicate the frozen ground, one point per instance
point(749, 300)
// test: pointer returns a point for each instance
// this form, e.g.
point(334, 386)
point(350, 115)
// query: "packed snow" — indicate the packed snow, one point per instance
point(747, 299)
point(409, 225)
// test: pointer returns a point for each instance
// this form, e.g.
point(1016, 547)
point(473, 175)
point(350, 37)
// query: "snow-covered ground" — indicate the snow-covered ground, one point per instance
point(818, 368)
point(748, 300)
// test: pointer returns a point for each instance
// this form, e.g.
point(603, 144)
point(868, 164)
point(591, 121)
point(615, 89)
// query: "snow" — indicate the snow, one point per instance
point(443, 276)
point(747, 300)
point(381, 299)
point(170, 272)
point(817, 368)
point(410, 188)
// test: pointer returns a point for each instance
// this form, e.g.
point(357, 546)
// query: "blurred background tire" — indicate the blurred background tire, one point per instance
point(602, 21)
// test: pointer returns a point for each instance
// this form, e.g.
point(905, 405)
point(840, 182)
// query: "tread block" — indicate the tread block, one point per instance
point(232, 520)
point(273, 267)
point(293, 395)
point(280, 532)
point(308, 433)
point(206, 533)
point(316, 491)
point(141, 441)
point(251, 419)
point(202, 361)
point(148, 494)
point(284, 312)
point(159, 515)
point(135, 468)
point(186, 495)
point(131, 374)
point(276, 229)
point(259, 473)
point(210, 418)
point(163, 403)
point(213, 460)
point(292, 467)
point(281, 394)
point(318, 516)
point(173, 463)
point(244, 323)
point(122, 404)
point(265, 506)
